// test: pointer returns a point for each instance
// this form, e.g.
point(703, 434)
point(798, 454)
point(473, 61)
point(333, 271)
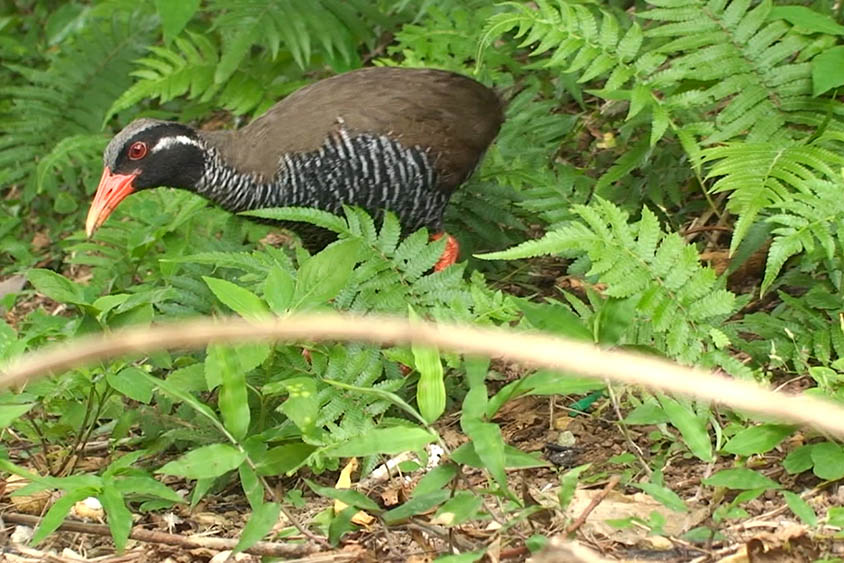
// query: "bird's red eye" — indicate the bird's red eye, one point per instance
point(137, 151)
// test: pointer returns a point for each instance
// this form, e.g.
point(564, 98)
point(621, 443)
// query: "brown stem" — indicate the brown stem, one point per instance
point(592, 505)
point(534, 350)
point(189, 542)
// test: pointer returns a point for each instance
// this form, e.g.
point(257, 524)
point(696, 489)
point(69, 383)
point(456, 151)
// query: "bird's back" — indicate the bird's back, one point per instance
point(452, 117)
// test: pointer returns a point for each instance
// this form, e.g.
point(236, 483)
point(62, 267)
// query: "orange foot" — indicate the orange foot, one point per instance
point(450, 254)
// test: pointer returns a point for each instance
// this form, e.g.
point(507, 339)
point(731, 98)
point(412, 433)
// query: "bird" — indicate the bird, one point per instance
point(380, 138)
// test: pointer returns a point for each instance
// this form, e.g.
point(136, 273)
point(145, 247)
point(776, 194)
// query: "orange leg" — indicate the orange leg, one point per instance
point(450, 254)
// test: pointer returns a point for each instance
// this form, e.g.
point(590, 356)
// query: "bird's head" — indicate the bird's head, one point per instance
point(146, 154)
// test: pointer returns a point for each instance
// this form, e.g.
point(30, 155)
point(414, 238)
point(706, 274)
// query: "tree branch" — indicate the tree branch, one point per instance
point(535, 350)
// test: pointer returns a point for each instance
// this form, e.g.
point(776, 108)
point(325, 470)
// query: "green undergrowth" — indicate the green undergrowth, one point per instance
point(639, 135)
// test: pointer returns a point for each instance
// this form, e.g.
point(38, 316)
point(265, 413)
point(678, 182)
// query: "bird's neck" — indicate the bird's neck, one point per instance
point(233, 190)
point(373, 172)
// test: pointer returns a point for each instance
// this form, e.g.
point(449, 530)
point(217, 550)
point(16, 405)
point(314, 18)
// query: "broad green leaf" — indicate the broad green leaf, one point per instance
point(251, 485)
point(757, 439)
point(119, 517)
point(9, 413)
point(10, 346)
point(324, 274)
point(125, 461)
point(513, 458)
point(234, 400)
point(189, 379)
point(489, 446)
point(56, 286)
point(543, 382)
point(555, 317)
point(799, 459)
point(302, 403)
point(278, 290)
point(199, 490)
point(341, 524)
point(549, 382)
point(649, 412)
point(829, 461)
point(801, 508)
point(568, 484)
point(388, 441)
point(806, 19)
point(835, 516)
point(259, 525)
point(130, 381)
point(467, 557)
point(91, 482)
point(281, 459)
point(108, 302)
point(238, 299)
point(474, 404)
point(349, 496)
point(616, 316)
point(252, 355)
point(136, 316)
point(664, 495)
point(436, 479)
point(175, 15)
point(137, 485)
point(690, 425)
point(58, 512)
point(826, 70)
point(430, 391)
point(477, 370)
point(185, 397)
point(461, 507)
point(416, 505)
point(205, 462)
point(741, 478)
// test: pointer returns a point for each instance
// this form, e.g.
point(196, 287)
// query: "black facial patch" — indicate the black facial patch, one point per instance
point(175, 156)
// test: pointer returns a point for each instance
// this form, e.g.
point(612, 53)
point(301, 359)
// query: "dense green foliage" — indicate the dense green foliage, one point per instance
point(637, 132)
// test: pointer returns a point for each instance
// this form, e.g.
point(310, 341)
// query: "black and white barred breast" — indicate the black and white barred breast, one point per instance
point(373, 172)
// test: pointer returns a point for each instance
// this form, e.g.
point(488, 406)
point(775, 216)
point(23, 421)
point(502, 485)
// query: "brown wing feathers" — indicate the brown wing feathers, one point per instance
point(453, 117)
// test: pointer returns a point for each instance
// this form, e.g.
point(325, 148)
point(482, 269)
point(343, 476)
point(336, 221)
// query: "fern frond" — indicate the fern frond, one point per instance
point(809, 220)
point(310, 215)
point(678, 299)
point(762, 175)
point(578, 39)
point(77, 151)
point(744, 60)
point(337, 27)
point(388, 237)
point(167, 74)
point(70, 96)
point(255, 262)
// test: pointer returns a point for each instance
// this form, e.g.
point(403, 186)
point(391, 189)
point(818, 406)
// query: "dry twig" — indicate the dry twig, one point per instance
point(188, 542)
point(593, 505)
point(535, 350)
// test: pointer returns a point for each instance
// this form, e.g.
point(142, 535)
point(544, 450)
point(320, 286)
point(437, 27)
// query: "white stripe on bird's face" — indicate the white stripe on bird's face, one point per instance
point(167, 142)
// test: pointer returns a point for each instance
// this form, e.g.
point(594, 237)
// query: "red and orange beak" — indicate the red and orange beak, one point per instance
point(112, 190)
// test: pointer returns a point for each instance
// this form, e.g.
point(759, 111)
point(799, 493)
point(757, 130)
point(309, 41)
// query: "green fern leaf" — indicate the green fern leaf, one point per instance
point(310, 215)
point(388, 238)
point(68, 153)
point(68, 98)
point(167, 74)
